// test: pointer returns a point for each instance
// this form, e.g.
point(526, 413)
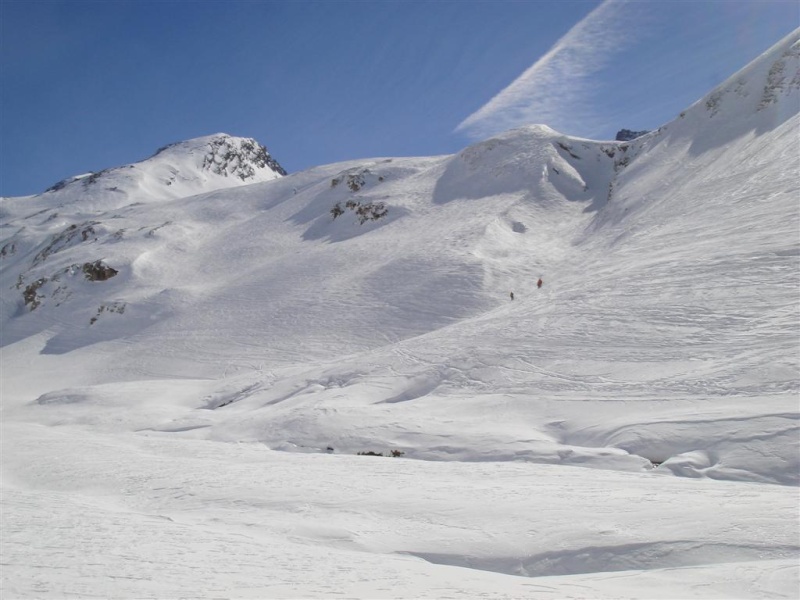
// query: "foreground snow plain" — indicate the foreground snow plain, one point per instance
point(191, 426)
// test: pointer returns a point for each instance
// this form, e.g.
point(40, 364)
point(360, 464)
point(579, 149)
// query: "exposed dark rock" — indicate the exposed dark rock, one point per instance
point(567, 149)
point(64, 239)
point(626, 135)
point(98, 271)
point(225, 158)
point(357, 178)
point(30, 294)
point(369, 211)
point(114, 307)
point(778, 80)
point(354, 181)
point(87, 181)
point(59, 186)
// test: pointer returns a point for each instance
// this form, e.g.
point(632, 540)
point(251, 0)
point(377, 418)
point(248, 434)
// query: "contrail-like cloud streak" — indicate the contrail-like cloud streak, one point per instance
point(556, 90)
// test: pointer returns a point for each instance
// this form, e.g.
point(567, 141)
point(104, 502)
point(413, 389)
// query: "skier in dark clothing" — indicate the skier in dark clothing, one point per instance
point(512, 295)
point(539, 283)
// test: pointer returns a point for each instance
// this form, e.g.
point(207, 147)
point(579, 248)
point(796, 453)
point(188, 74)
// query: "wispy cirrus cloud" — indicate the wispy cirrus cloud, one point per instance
point(557, 89)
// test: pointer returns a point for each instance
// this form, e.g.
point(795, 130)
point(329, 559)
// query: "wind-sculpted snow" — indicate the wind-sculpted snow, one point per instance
point(321, 383)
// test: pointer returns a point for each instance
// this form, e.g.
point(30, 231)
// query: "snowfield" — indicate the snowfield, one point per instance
point(201, 353)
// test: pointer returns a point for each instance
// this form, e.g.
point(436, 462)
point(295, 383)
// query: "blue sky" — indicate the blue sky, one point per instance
point(87, 85)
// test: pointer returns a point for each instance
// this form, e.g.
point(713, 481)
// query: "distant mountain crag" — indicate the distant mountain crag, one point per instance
point(220, 154)
point(238, 157)
point(626, 135)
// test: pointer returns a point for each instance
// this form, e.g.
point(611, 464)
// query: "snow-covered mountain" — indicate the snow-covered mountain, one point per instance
point(177, 170)
point(169, 328)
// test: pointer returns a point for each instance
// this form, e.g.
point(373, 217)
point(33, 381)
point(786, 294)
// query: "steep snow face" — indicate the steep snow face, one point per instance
point(366, 307)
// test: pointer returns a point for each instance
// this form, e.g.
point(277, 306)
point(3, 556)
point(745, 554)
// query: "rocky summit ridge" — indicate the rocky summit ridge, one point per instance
point(183, 168)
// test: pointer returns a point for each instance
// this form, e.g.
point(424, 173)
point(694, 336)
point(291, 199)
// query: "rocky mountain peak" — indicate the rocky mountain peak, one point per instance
point(180, 169)
point(225, 155)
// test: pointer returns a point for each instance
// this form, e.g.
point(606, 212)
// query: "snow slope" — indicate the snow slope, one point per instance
point(170, 329)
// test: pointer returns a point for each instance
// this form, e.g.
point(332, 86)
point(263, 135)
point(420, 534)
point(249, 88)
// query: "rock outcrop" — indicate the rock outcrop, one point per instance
point(626, 135)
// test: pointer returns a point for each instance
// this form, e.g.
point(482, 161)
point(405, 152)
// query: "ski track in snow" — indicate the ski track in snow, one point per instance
point(190, 427)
